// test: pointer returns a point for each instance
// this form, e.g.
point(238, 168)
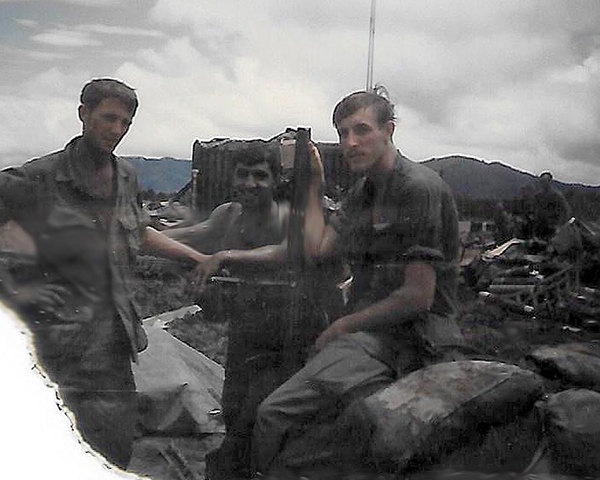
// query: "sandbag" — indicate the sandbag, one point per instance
point(573, 364)
point(509, 447)
point(572, 421)
point(435, 410)
point(177, 386)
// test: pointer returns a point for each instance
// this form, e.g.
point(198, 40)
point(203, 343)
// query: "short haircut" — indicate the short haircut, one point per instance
point(253, 155)
point(356, 101)
point(98, 89)
point(547, 175)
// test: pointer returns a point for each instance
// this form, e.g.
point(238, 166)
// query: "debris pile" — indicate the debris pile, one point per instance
point(555, 280)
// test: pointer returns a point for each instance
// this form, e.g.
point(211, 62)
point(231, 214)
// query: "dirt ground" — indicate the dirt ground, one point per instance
point(492, 332)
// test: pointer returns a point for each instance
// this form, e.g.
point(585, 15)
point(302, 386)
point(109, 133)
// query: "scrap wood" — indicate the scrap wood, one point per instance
point(500, 250)
point(507, 303)
point(511, 288)
point(514, 280)
point(548, 291)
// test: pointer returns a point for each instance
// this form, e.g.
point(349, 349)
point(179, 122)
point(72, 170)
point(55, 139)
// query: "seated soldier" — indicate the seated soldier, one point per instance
point(398, 227)
point(248, 236)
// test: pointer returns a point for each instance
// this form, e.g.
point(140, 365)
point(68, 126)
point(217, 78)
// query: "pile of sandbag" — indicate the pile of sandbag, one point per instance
point(571, 413)
point(470, 417)
point(446, 412)
point(572, 426)
point(569, 365)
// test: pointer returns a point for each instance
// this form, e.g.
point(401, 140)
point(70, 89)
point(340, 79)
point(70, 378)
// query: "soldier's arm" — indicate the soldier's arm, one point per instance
point(414, 296)
point(205, 236)
point(319, 238)
point(159, 244)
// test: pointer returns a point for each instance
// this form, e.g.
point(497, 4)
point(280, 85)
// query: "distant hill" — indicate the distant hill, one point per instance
point(470, 178)
point(164, 174)
point(482, 180)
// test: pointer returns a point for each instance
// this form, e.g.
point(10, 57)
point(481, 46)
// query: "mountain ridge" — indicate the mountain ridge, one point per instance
point(479, 179)
point(161, 174)
point(469, 177)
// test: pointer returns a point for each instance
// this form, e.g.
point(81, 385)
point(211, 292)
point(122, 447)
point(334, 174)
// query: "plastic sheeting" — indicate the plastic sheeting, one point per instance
point(179, 388)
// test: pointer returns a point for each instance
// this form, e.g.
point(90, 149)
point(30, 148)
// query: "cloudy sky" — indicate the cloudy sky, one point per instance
point(515, 81)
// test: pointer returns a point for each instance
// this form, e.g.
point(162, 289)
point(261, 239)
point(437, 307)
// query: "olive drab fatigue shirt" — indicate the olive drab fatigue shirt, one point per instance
point(84, 243)
point(418, 222)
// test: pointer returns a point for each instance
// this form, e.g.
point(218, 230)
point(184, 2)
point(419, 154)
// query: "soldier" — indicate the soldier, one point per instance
point(81, 207)
point(248, 237)
point(398, 226)
point(550, 208)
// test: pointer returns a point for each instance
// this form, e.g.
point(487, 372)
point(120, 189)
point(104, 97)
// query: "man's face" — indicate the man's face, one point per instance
point(105, 126)
point(363, 141)
point(253, 184)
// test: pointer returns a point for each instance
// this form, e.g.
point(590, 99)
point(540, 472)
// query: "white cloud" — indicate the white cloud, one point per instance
point(65, 38)
point(47, 56)
point(26, 54)
point(119, 30)
point(41, 117)
point(199, 100)
point(27, 22)
point(93, 3)
point(86, 3)
point(515, 81)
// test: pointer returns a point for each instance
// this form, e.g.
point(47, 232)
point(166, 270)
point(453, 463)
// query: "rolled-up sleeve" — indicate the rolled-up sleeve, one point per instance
point(16, 193)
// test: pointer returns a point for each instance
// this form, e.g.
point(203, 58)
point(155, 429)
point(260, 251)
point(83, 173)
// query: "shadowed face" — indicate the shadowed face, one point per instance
point(253, 185)
point(363, 141)
point(105, 126)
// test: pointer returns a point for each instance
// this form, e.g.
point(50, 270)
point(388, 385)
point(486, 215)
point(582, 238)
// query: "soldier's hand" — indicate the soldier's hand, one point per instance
point(333, 331)
point(316, 165)
point(41, 298)
point(206, 269)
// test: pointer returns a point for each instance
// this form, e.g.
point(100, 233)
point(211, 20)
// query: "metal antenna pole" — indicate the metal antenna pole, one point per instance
point(370, 86)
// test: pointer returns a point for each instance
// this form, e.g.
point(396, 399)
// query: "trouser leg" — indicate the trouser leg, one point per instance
point(233, 458)
point(340, 373)
point(235, 388)
point(92, 367)
point(106, 418)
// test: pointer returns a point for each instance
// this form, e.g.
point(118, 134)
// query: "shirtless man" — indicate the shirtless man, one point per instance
point(253, 226)
point(252, 219)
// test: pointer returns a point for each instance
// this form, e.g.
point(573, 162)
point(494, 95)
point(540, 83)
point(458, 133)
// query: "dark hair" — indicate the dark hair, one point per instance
point(356, 101)
point(546, 174)
point(257, 154)
point(98, 89)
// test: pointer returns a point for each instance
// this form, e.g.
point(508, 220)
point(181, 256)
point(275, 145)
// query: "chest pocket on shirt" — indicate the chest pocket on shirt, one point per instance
point(129, 222)
point(74, 247)
point(70, 238)
point(64, 216)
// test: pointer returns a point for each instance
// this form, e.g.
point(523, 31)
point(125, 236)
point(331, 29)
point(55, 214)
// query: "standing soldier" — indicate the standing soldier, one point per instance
point(81, 207)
